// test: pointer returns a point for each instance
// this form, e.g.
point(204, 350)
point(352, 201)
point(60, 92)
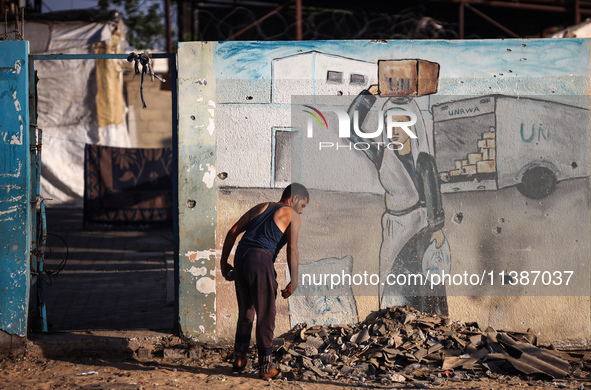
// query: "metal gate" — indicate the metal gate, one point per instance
point(38, 321)
point(17, 187)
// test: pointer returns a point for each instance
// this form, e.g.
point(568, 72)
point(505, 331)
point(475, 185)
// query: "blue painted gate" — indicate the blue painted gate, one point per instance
point(17, 198)
point(22, 213)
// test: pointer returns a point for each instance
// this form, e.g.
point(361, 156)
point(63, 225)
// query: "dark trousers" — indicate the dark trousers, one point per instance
point(256, 291)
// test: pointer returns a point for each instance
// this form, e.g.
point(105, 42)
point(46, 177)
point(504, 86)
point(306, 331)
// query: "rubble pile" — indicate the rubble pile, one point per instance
point(402, 344)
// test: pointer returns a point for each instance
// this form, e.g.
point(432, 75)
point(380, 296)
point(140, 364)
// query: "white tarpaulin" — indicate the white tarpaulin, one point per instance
point(67, 105)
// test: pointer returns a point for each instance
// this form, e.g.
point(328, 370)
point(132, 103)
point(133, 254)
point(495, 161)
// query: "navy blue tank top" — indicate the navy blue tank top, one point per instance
point(263, 232)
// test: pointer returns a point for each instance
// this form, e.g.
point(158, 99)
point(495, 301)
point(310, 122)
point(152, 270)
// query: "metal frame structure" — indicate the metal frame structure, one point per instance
point(477, 9)
point(576, 7)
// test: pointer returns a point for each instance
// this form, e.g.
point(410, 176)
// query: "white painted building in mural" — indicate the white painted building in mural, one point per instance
point(270, 142)
point(319, 74)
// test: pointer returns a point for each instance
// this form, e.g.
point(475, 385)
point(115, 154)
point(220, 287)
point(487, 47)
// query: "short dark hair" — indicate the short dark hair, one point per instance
point(295, 189)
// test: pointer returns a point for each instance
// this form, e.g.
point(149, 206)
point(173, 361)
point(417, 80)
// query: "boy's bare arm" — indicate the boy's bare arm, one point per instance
point(238, 228)
point(292, 233)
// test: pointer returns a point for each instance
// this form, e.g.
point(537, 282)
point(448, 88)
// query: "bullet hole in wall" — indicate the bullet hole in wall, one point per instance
point(191, 203)
point(509, 280)
point(497, 230)
point(222, 175)
point(458, 218)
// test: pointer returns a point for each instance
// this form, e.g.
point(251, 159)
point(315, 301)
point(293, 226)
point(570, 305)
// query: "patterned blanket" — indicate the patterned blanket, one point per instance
point(127, 187)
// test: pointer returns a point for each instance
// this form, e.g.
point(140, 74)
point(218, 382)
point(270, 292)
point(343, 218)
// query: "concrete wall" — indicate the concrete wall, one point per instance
point(15, 187)
point(508, 131)
point(197, 192)
point(150, 127)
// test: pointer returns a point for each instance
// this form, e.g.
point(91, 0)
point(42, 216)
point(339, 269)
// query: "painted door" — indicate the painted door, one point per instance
point(16, 208)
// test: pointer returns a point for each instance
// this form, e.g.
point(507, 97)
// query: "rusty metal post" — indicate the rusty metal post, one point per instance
point(256, 22)
point(185, 20)
point(168, 31)
point(518, 5)
point(492, 21)
point(16, 25)
point(461, 19)
point(299, 20)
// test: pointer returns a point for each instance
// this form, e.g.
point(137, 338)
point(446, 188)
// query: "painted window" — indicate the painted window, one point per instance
point(285, 162)
point(358, 79)
point(334, 76)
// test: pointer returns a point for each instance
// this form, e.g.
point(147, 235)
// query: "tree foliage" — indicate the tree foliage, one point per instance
point(144, 21)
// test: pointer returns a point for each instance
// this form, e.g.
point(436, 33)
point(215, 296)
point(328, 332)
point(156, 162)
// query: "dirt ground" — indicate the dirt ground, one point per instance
point(213, 371)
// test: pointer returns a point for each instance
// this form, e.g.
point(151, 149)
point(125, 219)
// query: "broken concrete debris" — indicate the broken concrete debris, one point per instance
point(403, 345)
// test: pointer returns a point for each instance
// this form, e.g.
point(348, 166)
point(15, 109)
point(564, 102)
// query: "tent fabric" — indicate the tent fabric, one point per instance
point(66, 91)
point(110, 104)
point(62, 160)
point(69, 95)
point(127, 186)
point(67, 35)
point(38, 35)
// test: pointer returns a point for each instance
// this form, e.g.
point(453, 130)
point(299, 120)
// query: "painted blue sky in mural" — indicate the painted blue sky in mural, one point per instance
point(515, 66)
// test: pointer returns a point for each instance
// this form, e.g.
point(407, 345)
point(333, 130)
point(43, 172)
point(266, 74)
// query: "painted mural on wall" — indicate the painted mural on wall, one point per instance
point(469, 130)
point(489, 183)
point(317, 304)
point(413, 219)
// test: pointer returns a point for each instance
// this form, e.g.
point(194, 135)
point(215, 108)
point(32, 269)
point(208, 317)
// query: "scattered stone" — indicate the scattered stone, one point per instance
point(308, 376)
point(402, 345)
point(195, 353)
point(284, 368)
point(144, 353)
point(172, 353)
point(397, 378)
point(311, 351)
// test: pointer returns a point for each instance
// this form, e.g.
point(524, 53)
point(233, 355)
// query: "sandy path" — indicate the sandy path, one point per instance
point(212, 373)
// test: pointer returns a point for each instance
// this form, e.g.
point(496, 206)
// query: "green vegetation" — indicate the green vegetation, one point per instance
point(144, 20)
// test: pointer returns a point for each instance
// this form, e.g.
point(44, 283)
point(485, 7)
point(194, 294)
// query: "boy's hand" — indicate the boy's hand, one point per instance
point(286, 292)
point(228, 272)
